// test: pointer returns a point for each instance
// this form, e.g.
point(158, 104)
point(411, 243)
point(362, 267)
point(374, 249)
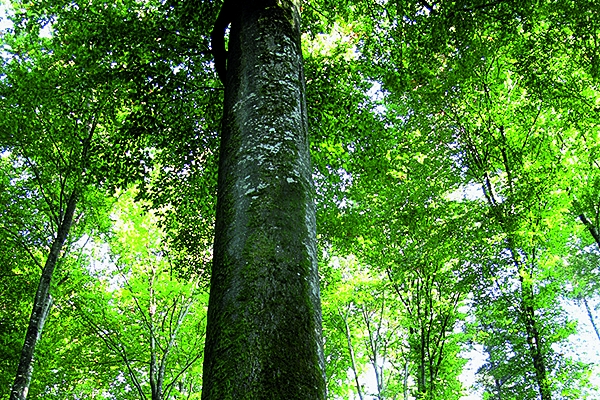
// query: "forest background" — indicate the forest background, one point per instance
point(455, 149)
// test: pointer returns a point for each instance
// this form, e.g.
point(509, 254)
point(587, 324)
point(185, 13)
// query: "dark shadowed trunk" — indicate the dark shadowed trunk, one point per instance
point(534, 341)
point(591, 318)
point(528, 315)
point(41, 306)
point(264, 319)
point(591, 228)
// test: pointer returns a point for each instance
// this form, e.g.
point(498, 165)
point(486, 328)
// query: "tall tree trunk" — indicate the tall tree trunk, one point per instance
point(264, 320)
point(498, 387)
point(351, 352)
point(591, 317)
point(41, 306)
point(527, 312)
point(534, 339)
point(155, 376)
point(421, 378)
point(591, 228)
point(405, 380)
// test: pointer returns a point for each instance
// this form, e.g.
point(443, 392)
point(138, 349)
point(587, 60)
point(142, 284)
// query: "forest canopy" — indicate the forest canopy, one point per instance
point(455, 151)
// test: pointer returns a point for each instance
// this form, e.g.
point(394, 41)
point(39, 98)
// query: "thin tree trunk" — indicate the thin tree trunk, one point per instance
point(498, 387)
point(352, 357)
point(155, 378)
point(405, 381)
point(534, 341)
point(421, 380)
point(373, 344)
point(41, 306)
point(527, 311)
point(591, 317)
point(591, 228)
point(263, 336)
point(183, 312)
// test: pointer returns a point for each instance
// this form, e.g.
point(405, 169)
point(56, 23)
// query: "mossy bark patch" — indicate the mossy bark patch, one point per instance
point(264, 320)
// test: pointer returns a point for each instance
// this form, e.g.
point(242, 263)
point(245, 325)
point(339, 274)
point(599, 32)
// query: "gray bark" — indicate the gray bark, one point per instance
point(264, 320)
point(41, 306)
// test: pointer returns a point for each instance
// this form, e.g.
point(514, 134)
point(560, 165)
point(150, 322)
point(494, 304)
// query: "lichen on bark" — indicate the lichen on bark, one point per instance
point(264, 320)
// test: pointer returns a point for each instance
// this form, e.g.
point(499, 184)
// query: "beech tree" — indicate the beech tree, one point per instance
point(264, 320)
point(454, 159)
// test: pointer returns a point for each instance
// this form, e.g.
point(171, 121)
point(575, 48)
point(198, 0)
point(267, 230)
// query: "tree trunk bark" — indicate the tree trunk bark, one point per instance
point(264, 320)
point(591, 228)
point(534, 341)
point(421, 380)
point(352, 357)
point(591, 317)
point(41, 306)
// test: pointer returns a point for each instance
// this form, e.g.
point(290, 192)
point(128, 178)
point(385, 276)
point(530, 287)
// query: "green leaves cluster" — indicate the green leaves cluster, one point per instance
point(455, 151)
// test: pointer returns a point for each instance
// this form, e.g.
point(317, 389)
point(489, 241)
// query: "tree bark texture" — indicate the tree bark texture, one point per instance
point(41, 306)
point(264, 319)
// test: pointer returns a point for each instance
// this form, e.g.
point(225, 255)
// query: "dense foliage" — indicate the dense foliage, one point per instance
point(456, 158)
